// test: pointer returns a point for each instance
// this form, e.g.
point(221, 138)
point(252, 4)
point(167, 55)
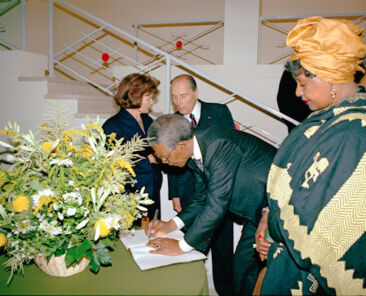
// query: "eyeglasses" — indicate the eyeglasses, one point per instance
point(164, 159)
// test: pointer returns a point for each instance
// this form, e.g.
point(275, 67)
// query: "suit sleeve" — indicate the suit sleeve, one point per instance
point(227, 119)
point(177, 177)
point(210, 207)
point(176, 181)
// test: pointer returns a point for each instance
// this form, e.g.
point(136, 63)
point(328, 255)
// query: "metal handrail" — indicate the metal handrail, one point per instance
point(218, 23)
point(267, 22)
point(168, 62)
point(7, 8)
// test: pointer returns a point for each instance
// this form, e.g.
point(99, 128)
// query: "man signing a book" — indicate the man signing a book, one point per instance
point(230, 169)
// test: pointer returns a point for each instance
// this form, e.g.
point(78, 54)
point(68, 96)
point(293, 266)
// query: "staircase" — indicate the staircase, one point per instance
point(90, 101)
point(27, 93)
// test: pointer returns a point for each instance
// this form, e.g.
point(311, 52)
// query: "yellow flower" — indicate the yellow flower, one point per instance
point(2, 178)
point(79, 133)
point(96, 126)
point(3, 240)
point(104, 230)
point(70, 148)
point(125, 164)
point(86, 151)
point(129, 219)
point(47, 146)
point(21, 204)
point(44, 200)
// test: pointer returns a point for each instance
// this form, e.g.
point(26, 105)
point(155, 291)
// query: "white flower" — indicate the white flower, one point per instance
point(116, 188)
point(82, 224)
point(86, 212)
point(36, 197)
point(50, 228)
point(73, 197)
point(67, 230)
point(23, 227)
point(71, 183)
point(55, 206)
point(112, 222)
point(60, 162)
point(60, 216)
point(71, 212)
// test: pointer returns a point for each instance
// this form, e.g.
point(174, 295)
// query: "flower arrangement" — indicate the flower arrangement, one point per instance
point(65, 193)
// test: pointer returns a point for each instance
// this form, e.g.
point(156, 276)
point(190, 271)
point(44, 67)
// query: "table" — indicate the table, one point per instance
point(122, 278)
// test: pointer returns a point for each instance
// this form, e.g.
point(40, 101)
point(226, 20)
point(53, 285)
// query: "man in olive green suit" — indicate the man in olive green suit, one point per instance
point(230, 169)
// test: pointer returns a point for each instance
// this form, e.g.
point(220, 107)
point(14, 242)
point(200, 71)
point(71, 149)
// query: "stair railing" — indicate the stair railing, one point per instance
point(5, 9)
point(270, 22)
point(167, 59)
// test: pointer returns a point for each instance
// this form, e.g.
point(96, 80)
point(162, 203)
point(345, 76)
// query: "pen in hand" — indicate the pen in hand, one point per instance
point(153, 223)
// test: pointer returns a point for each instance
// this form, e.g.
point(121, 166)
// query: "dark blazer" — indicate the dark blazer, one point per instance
point(126, 126)
point(236, 165)
point(181, 180)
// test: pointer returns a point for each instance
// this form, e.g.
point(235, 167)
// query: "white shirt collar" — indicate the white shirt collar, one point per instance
point(196, 149)
point(196, 112)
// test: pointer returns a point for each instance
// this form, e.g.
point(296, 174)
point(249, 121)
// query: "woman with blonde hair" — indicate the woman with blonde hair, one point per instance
point(317, 182)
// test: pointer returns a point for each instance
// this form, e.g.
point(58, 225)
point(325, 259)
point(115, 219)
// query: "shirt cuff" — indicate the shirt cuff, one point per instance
point(184, 246)
point(182, 243)
point(179, 222)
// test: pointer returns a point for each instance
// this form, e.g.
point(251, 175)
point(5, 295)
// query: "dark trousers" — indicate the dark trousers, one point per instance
point(223, 257)
point(247, 263)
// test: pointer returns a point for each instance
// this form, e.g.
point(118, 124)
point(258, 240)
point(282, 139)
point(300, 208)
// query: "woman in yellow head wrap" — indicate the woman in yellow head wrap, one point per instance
point(317, 183)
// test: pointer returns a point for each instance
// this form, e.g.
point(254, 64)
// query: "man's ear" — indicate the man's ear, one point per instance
point(185, 145)
point(181, 145)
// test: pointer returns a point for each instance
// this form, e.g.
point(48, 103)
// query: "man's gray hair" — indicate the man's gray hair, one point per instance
point(169, 130)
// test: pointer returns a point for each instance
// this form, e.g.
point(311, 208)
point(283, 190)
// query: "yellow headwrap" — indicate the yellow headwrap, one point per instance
point(331, 49)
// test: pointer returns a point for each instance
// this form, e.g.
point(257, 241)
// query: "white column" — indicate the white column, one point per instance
point(241, 32)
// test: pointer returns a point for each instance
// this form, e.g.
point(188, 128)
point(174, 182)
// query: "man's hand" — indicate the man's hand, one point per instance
point(176, 204)
point(165, 246)
point(160, 227)
point(262, 245)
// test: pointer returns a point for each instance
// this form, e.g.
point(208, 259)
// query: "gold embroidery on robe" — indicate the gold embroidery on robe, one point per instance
point(352, 116)
point(339, 110)
point(297, 292)
point(338, 226)
point(278, 250)
point(315, 170)
point(314, 287)
point(311, 131)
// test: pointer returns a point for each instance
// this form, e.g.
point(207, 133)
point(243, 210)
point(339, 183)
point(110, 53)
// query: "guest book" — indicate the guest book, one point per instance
point(135, 241)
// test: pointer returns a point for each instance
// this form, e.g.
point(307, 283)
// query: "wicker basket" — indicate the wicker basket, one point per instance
point(57, 267)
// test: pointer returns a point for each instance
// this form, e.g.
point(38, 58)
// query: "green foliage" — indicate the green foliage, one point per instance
point(64, 193)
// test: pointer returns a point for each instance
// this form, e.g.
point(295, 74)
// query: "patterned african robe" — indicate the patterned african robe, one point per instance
point(317, 196)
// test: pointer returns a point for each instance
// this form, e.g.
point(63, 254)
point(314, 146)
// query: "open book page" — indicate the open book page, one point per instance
point(136, 243)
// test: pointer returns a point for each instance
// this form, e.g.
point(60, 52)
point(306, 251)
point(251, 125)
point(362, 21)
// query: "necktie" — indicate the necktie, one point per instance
point(198, 163)
point(193, 121)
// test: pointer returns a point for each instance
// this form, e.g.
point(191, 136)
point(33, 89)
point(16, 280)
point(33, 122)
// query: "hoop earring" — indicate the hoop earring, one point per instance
point(333, 93)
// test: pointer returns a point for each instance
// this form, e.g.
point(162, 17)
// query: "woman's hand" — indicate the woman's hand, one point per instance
point(176, 204)
point(262, 244)
point(151, 157)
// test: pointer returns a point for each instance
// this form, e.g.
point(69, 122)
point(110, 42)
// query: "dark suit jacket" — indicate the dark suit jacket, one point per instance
point(236, 165)
point(181, 180)
point(126, 126)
